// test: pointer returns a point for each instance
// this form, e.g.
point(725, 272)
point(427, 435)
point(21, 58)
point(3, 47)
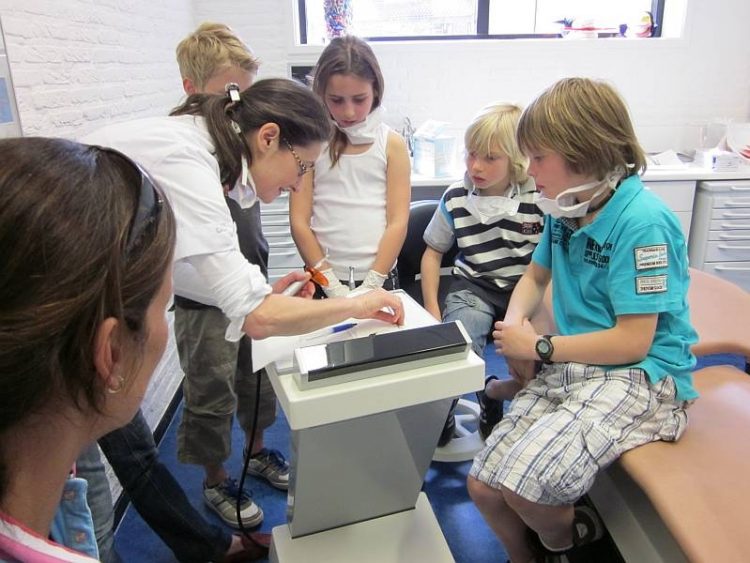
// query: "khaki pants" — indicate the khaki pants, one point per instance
point(219, 380)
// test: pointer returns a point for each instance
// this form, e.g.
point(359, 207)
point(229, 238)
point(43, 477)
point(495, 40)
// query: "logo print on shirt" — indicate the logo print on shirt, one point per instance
point(531, 228)
point(596, 254)
point(649, 257)
point(650, 284)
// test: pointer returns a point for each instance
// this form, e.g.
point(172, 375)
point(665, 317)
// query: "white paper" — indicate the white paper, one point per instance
point(280, 349)
point(667, 159)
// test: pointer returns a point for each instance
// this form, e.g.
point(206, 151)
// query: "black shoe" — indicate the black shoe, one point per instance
point(490, 411)
point(448, 430)
point(587, 527)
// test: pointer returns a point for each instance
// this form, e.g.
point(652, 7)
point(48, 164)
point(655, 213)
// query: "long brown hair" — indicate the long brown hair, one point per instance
point(347, 55)
point(72, 256)
point(300, 115)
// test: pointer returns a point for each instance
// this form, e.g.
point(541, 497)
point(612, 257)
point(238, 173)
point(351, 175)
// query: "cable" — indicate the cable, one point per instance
point(247, 454)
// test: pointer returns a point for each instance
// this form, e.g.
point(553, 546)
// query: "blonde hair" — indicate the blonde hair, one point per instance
point(211, 48)
point(587, 123)
point(494, 127)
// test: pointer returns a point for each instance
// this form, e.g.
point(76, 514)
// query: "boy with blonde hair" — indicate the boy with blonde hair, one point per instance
point(219, 379)
point(213, 56)
point(492, 218)
point(618, 373)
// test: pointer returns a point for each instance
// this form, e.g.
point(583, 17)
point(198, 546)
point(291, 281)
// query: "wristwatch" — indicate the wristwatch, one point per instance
point(544, 348)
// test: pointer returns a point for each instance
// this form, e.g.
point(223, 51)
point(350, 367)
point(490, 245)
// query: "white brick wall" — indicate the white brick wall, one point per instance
point(77, 64)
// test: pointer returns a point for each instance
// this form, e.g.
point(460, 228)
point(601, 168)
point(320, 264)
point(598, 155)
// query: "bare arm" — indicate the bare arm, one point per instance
point(398, 195)
point(527, 294)
point(279, 315)
point(300, 214)
point(430, 272)
point(625, 343)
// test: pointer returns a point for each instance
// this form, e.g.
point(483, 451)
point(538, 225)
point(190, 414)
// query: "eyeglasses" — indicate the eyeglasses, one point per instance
point(150, 201)
point(303, 167)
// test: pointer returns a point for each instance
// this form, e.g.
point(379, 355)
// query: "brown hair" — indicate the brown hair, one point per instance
point(587, 123)
point(69, 262)
point(300, 115)
point(347, 55)
point(210, 49)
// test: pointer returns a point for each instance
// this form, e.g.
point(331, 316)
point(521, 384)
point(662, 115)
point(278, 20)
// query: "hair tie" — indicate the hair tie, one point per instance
point(233, 92)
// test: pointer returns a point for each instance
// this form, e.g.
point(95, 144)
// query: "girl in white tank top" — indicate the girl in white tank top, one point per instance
point(352, 214)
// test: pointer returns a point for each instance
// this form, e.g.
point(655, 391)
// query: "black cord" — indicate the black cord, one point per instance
point(248, 453)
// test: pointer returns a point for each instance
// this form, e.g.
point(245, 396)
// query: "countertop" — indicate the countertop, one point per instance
point(652, 174)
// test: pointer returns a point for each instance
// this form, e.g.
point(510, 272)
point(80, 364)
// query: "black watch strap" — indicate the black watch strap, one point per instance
point(544, 348)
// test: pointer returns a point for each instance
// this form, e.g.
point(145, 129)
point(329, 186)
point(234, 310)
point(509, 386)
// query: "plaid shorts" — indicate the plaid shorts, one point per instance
point(570, 422)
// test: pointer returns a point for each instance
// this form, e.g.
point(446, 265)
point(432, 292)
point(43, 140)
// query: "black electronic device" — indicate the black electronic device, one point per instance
point(378, 354)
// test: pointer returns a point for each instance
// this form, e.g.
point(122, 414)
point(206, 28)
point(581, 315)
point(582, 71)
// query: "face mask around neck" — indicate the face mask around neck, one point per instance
point(566, 204)
point(489, 208)
point(364, 132)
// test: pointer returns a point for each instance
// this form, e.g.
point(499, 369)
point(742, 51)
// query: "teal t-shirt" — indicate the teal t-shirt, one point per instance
point(632, 259)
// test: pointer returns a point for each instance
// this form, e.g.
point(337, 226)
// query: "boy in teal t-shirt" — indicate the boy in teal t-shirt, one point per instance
point(618, 373)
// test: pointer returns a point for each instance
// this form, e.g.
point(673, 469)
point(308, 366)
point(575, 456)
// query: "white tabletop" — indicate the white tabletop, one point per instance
point(344, 401)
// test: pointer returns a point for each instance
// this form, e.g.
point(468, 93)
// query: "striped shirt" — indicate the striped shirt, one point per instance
point(493, 255)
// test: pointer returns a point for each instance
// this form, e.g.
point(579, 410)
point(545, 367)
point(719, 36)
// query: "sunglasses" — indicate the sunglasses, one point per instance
point(150, 201)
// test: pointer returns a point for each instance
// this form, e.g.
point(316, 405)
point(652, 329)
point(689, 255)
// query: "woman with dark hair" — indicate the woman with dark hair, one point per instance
point(246, 145)
point(82, 326)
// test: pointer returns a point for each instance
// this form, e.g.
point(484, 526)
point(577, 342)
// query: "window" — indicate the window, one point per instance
point(477, 19)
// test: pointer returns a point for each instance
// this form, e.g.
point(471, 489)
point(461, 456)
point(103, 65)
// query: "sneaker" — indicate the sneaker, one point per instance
point(587, 527)
point(222, 499)
point(449, 430)
point(490, 411)
point(271, 466)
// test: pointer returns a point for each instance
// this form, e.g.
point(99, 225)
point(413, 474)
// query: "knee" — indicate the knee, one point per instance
point(482, 494)
point(519, 504)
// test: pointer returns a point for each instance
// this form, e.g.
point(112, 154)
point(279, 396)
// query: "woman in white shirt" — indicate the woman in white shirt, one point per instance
point(262, 144)
point(247, 145)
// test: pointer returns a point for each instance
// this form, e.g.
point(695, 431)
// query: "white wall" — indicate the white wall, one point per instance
point(77, 64)
point(80, 63)
point(673, 86)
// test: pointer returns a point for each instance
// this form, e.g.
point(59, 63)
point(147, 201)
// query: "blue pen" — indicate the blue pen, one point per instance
point(323, 332)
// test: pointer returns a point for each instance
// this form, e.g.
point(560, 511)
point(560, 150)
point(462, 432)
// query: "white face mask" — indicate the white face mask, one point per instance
point(566, 204)
point(243, 191)
point(365, 132)
point(491, 207)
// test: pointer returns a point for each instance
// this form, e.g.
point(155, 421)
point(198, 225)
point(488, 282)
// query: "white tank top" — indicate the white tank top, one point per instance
point(348, 211)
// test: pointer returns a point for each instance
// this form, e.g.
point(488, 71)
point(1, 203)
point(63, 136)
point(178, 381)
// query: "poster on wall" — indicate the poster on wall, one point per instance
point(6, 114)
point(10, 124)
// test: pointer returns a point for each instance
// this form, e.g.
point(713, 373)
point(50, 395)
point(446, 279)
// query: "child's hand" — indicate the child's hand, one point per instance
point(516, 341)
point(522, 371)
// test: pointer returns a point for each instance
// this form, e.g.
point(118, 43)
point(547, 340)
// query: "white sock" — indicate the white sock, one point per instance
point(555, 549)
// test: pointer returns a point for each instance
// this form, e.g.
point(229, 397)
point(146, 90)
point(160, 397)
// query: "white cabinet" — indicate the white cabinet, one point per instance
point(282, 252)
point(678, 195)
point(720, 237)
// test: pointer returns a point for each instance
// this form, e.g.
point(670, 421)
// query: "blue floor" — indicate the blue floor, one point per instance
point(469, 538)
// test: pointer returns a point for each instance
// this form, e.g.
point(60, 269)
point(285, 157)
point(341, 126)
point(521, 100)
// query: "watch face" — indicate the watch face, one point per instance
point(543, 347)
